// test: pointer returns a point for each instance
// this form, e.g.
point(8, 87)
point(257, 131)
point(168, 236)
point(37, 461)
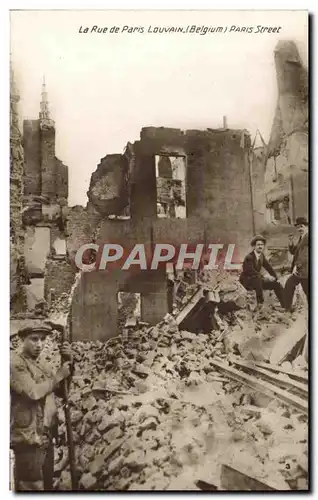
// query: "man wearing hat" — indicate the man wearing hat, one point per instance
point(33, 409)
point(299, 267)
point(252, 276)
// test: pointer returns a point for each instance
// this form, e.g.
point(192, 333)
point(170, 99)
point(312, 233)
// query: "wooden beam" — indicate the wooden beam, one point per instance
point(302, 377)
point(187, 309)
point(285, 343)
point(198, 300)
point(262, 386)
point(235, 480)
point(293, 384)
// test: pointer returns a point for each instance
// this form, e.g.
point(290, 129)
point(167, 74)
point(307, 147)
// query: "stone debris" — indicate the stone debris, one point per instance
point(150, 412)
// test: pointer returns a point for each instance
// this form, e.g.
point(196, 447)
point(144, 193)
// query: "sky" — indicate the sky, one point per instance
point(104, 87)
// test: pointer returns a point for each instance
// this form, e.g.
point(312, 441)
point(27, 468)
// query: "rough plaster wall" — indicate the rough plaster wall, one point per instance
point(32, 157)
point(126, 233)
point(143, 191)
point(81, 225)
point(61, 179)
point(258, 162)
point(14, 273)
point(37, 248)
point(218, 161)
point(154, 298)
point(218, 186)
point(48, 164)
point(59, 276)
point(300, 183)
point(16, 191)
point(51, 212)
point(34, 293)
point(94, 308)
point(108, 189)
point(59, 246)
point(177, 231)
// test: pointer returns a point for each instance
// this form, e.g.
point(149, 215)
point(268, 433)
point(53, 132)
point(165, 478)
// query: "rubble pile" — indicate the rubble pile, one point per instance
point(150, 411)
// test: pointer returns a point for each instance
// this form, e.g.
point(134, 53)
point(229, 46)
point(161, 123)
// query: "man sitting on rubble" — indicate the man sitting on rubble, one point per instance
point(253, 276)
point(33, 409)
point(299, 267)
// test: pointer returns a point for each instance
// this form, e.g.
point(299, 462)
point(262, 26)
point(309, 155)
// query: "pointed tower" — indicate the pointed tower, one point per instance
point(44, 107)
point(47, 148)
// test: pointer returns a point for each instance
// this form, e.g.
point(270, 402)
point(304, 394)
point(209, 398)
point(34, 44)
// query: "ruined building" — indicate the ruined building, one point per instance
point(16, 194)
point(171, 186)
point(279, 169)
point(286, 174)
point(39, 211)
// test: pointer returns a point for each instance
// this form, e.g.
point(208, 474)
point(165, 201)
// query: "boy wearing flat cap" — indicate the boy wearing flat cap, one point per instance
point(33, 409)
point(299, 267)
point(252, 277)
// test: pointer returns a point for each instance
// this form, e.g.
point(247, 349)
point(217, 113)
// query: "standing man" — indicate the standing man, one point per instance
point(252, 276)
point(299, 267)
point(33, 409)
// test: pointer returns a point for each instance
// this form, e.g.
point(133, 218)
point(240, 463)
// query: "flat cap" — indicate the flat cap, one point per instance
point(258, 237)
point(29, 330)
point(301, 221)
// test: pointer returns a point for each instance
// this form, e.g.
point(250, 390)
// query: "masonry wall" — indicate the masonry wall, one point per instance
point(48, 164)
point(32, 157)
point(258, 162)
point(287, 165)
point(218, 187)
point(219, 208)
point(59, 277)
point(94, 311)
point(61, 179)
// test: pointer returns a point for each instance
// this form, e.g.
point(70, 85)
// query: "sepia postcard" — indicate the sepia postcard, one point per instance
point(159, 239)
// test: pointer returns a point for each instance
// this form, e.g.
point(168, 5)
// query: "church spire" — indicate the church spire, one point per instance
point(44, 106)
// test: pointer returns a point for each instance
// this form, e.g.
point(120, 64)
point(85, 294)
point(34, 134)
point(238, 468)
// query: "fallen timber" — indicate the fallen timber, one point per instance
point(235, 480)
point(283, 380)
point(302, 377)
point(262, 386)
point(198, 311)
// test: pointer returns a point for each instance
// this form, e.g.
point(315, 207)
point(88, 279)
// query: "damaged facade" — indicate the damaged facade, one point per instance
point(17, 299)
point(212, 391)
point(286, 178)
point(39, 213)
point(287, 166)
point(171, 186)
point(279, 169)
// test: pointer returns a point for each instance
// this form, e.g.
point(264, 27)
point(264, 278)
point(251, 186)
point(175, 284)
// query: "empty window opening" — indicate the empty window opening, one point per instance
point(123, 215)
point(129, 309)
point(171, 186)
point(59, 246)
point(280, 211)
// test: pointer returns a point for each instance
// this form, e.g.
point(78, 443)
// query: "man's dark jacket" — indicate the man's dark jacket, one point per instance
point(252, 268)
point(300, 259)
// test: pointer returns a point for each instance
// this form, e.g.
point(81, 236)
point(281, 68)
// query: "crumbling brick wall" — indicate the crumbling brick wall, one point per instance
point(48, 164)
point(17, 272)
point(59, 277)
point(219, 207)
point(32, 155)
